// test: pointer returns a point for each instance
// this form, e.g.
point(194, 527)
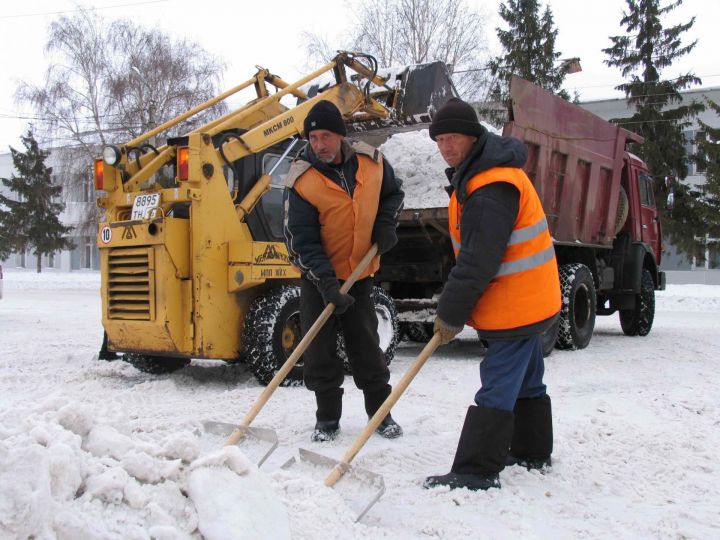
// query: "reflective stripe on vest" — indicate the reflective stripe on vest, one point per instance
point(526, 288)
point(346, 223)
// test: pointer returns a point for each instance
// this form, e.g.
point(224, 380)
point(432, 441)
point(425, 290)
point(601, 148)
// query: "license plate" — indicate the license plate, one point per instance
point(143, 205)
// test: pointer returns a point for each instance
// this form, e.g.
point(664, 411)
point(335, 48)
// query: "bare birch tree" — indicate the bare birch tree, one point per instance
point(417, 31)
point(109, 81)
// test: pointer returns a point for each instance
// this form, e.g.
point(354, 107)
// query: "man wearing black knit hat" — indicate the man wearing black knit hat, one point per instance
point(505, 285)
point(342, 196)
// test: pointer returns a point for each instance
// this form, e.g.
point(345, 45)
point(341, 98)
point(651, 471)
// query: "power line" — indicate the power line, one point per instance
point(46, 13)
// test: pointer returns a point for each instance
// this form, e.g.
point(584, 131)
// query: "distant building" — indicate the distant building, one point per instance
point(84, 256)
point(619, 108)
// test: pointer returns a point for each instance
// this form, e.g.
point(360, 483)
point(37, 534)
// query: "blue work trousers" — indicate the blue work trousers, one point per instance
point(511, 369)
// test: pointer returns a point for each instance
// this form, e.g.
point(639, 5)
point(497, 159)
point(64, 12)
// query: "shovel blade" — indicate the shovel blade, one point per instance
point(256, 443)
point(360, 488)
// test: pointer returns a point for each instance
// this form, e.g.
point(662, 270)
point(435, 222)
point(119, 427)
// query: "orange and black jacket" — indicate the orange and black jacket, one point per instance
point(333, 212)
point(493, 211)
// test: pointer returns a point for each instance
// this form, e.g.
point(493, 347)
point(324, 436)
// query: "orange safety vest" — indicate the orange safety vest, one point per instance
point(346, 224)
point(526, 289)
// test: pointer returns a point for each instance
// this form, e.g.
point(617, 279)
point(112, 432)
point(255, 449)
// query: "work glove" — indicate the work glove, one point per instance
point(385, 238)
point(330, 290)
point(447, 332)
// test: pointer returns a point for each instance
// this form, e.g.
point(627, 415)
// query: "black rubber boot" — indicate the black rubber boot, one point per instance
point(532, 441)
point(329, 411)
point(388, 428)
point(327, 430)
point(481, 452)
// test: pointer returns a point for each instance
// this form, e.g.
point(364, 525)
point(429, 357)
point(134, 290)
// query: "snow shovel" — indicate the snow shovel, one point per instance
point(342, 466)
point(269, 436)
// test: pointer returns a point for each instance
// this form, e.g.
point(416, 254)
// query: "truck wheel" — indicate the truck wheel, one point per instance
point(388, 329)
point(549, 338)
point(272, 331)
point(156, 365)
point(420, 332)
point(639, 321)
point(577, 314)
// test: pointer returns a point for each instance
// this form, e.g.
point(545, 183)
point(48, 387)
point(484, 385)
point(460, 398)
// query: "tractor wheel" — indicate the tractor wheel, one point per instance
point(388, 329)
point(419, 332)
point(639, 321)
point(272, 331)
point(156, 365)
point(577, 314)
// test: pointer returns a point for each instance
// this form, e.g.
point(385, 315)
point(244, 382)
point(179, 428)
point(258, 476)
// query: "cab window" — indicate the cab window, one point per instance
point(272, 201)
point(646, 190)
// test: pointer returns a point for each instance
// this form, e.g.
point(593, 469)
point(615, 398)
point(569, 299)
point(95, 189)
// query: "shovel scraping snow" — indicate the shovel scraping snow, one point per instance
point(242, 433)
point(373, 482)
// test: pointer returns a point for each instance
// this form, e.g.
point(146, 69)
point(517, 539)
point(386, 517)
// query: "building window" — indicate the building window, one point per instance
point(689, 136)
point(700, 166)
point(88, 249)
point(88, 189)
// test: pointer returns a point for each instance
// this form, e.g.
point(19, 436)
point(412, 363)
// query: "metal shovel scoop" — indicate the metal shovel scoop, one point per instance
point(243, 433)
point(373, 483)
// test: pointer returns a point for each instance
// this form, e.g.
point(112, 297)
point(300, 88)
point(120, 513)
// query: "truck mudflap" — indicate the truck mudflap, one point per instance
point(661, 281)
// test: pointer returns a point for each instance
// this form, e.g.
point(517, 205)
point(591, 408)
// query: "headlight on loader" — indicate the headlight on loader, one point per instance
point(111, 155)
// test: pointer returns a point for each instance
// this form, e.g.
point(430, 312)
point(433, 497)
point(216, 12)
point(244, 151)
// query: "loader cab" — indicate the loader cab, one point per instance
point(266, 219)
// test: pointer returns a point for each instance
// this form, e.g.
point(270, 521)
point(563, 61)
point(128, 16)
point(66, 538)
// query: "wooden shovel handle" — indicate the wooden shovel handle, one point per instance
point(299, 350)
point(344, 464)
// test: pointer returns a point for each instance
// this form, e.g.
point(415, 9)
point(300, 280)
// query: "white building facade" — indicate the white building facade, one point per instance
point(619, 108)
point(84, 256)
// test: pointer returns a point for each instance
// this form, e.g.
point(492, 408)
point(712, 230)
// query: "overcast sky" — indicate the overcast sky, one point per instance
point(267, 33)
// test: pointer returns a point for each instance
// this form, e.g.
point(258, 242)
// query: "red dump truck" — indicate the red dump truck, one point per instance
point(599, 202)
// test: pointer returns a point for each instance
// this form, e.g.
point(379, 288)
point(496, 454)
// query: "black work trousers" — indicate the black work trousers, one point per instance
point(323, 371)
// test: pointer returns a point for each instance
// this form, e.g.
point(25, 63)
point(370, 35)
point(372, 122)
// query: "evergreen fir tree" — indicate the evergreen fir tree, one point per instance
point(642, 54)
point(30, 220)
point(708, 158)
point(529, 45)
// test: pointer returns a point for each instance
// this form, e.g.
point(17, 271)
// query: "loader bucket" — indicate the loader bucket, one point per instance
point(360, 488)
point(424, 89)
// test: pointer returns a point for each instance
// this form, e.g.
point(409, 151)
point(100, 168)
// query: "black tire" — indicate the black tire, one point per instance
point(420, 332)
point(577, 314)
point(388, 329)
point(157, 365)
point(549, 338)
point(639, 321)
point(272, 331)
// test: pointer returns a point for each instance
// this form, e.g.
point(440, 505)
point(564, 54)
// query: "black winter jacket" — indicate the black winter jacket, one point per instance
point(487, 222)
point(302, 219)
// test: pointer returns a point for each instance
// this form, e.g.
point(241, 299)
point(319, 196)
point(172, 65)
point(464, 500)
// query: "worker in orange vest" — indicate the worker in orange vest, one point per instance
point(341, 198)
point(505, 285)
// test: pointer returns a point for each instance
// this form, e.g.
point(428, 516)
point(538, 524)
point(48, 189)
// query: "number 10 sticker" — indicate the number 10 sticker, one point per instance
point(106, 235)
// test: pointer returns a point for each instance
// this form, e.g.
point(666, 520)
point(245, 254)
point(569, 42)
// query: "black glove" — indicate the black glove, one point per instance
point(330, 290)
point(385, 238)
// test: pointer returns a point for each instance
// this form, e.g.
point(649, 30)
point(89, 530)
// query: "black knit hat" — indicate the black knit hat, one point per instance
point(324, 115)
point(456, 116)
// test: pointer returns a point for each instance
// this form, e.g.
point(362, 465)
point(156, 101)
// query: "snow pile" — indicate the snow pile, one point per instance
point(67, 471)
point(221, 512)
point(417, 161)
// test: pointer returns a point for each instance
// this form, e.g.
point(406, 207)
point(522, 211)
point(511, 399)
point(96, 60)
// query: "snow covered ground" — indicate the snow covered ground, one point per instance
point(98, 450)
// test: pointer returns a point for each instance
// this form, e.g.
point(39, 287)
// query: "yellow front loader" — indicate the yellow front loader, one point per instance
point(193, 263)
